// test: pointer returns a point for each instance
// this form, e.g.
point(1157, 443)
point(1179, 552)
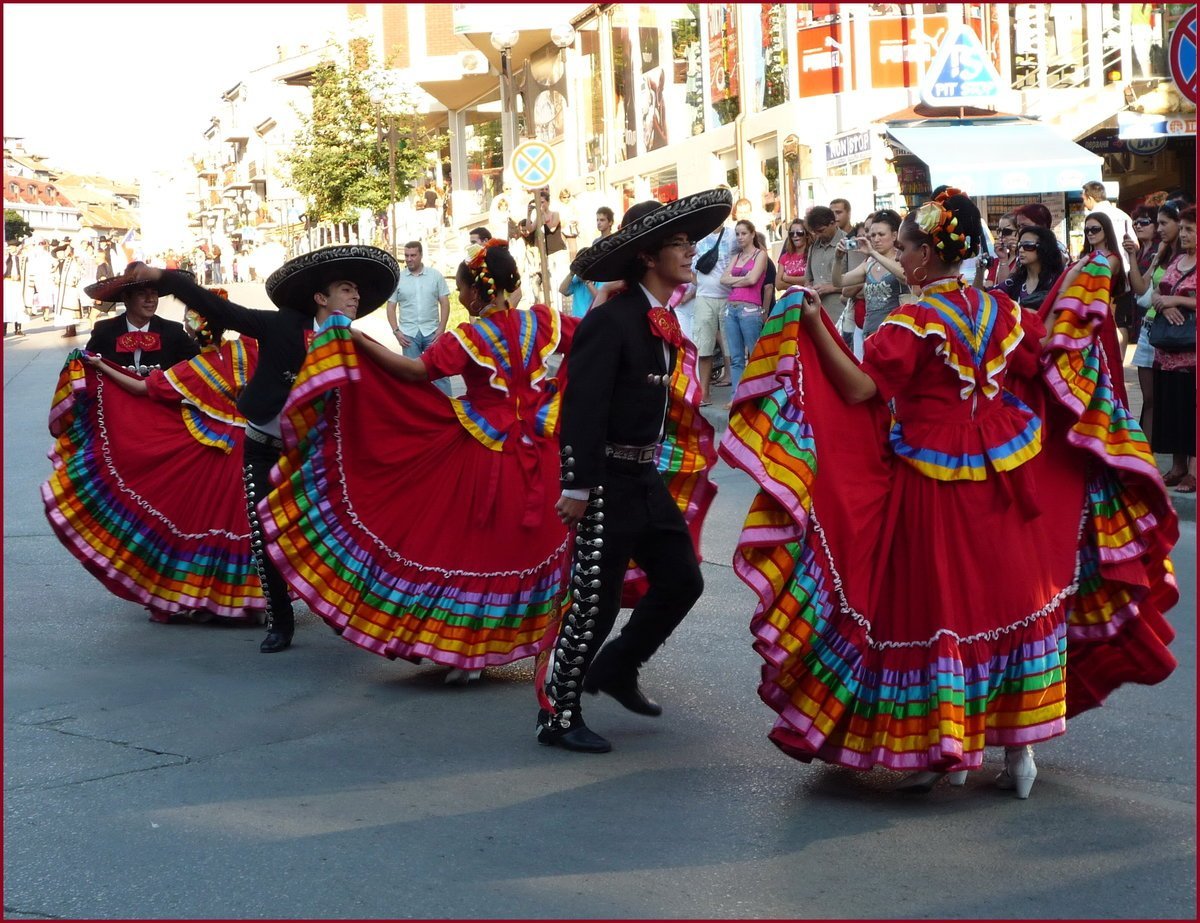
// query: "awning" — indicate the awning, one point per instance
point(1000, 158)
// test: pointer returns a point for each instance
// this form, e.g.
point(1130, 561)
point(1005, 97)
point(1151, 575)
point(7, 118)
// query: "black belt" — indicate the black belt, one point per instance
point(639, 454)
point(257, 435)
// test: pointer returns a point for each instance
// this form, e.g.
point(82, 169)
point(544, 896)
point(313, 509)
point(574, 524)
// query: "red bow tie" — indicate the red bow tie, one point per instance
point(664, 324)
point(137, 339)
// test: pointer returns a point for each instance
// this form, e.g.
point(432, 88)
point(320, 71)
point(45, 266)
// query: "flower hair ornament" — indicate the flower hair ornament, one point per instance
point(939, 223)
point(477, 263)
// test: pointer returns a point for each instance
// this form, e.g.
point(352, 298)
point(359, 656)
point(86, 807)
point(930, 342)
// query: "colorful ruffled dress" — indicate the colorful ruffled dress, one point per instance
point(147, 490)
point(926, 561)
point(419, 525)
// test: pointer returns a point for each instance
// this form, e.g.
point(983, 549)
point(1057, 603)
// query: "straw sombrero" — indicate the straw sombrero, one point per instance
point(374, 271)
point(696, 215)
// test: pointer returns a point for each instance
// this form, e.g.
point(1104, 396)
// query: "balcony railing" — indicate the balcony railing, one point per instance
point(235, 178)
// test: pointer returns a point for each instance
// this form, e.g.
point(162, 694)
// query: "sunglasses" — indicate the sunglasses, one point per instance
point(1027, 245)
point(1094, 229)
point(1004, 232)
point(798, 234)
point(1143, 223)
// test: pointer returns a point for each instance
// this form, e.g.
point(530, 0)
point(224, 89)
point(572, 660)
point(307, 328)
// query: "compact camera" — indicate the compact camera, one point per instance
point(851, 243)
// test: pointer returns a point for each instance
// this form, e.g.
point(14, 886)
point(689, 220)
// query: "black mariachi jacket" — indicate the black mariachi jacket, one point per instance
point(281, 343)
point(616, 391)
point(176, 345)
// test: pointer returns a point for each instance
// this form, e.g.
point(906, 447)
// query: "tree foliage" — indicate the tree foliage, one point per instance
point(16, 228)
point(339, 162)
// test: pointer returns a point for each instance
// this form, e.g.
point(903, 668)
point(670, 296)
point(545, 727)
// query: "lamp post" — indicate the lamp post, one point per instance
point(503, 41)
point(377, 97)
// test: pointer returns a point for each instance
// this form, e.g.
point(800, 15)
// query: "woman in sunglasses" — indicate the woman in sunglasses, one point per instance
point(793, 256)
point(1039, 266)
point(1006, 250)
point(1144, 282)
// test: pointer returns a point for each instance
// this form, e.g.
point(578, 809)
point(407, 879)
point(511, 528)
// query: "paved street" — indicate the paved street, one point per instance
point(156, 771)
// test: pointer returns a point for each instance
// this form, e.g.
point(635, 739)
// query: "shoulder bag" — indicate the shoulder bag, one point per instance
point(708, 259)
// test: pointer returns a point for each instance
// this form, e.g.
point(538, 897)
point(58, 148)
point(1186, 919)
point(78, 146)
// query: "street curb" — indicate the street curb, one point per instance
point(1184, 504)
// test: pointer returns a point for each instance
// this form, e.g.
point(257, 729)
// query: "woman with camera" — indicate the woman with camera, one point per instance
point(1143, 281)
point(1174, 302)
point(881, 276)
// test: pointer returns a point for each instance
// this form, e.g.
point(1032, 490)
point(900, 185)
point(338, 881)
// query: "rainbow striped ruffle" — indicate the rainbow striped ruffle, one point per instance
point(1115, 625)
point(381, 598)
point(120, 530)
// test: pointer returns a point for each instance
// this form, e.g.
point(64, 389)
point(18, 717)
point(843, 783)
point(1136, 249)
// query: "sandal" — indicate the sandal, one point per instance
point(1187, 484)
point(1171, 478)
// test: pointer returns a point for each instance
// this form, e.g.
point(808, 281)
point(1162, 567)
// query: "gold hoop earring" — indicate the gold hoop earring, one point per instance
point(924, 275)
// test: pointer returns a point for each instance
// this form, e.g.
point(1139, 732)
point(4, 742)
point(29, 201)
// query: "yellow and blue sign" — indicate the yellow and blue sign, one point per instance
point(533, 164)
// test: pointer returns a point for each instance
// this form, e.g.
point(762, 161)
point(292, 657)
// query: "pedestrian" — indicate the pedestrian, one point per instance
point(604, 222)
point(558, 259)
point(1006, 250)
point(713, 256)
point(1039, 269)
point(477, 237)
point(793, 256)
point(147, 485)
point(423, 300)
point(137, 339)
point(881, 275)
point(824, 236)
point(401, 581)
point(70, 298)
point(307, 290)
point(1144, 283)
point(917, 604)
point(14, 308)
point(1095, 199)
point(218, 277)
point(743, 314)
point(1174, 300)
point(631, 403)
point(40, 287)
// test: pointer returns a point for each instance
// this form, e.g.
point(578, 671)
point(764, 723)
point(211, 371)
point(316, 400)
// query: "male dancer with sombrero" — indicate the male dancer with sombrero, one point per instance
point(349, 280)
point(138, 339)
point(621, 399)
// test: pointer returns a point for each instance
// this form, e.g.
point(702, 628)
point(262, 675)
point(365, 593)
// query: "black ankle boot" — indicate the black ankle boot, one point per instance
point(576, 736)
point(277, 639)
point(619, 681)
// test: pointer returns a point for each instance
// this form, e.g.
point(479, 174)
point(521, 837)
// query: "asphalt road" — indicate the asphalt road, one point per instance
point(157, 771)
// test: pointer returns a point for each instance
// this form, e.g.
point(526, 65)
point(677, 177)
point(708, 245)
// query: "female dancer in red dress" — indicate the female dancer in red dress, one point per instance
point(418, 525)
point(147, 482)
point(937, 526)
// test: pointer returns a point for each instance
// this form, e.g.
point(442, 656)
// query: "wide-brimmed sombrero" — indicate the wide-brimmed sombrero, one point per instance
point(114, 288)
point(374, 271)
point(611, 257)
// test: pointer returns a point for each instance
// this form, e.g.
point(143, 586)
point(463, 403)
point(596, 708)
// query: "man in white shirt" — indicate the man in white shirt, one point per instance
point(423, 298)
point(710, 300)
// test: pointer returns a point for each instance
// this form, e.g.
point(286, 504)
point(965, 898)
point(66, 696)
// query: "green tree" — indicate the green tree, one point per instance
point(16, 228)
point(340, 159)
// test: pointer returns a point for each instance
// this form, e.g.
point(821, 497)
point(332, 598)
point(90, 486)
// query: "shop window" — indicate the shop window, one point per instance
point(589, 96)
point(823, 63)
point(626, 195)
point(663, 185)
point(485, 160)
point(685, 108)
point(724, 92)
point(769, 62)
point(624, 127)
point(652, 87)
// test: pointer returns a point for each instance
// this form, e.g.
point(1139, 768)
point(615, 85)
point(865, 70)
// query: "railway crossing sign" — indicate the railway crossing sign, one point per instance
point(533, 164)
point(1183, 55)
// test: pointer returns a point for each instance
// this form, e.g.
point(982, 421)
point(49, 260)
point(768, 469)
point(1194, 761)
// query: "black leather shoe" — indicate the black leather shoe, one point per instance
point(578, 737)
point(625, 690)
point(275, 641)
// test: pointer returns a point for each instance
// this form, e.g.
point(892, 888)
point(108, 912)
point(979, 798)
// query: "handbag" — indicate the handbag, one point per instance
point(708, 260)
point(1173, 338)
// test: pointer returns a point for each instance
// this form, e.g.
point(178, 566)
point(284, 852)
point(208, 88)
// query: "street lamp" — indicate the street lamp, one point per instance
point(563, 36)
point(377, 97)
point(503, 41)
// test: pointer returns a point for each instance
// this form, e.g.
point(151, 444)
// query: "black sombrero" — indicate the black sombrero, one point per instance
point(374, 271)
point(114, 288)
point(696, 215)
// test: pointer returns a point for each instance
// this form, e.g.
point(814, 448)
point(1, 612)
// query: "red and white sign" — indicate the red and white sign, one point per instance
point(1183, 55)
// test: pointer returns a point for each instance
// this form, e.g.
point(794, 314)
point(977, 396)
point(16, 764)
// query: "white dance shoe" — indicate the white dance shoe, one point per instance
point(1019, 771)
point(922, 782)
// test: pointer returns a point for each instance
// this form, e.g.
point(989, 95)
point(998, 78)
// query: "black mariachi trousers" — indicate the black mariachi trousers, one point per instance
point(642, 522)
point(257, 461)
